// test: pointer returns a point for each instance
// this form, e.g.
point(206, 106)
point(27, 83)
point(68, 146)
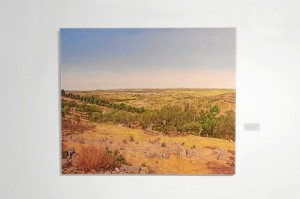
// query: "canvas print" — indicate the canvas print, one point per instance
point(148, 101)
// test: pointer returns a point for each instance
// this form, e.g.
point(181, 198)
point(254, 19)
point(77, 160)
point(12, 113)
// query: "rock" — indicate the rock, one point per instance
point(158, 155)
point(177, 151)
point(130, 169)
point(143, 170)
point(68, 154)
point(151, 172)
point(189, 153)
point(221, 154)
point(143, 164)
point(65, 154)
point(166, 155)
point(117, 170)
point(150, 155)
point(67, 158)
point(194, 162)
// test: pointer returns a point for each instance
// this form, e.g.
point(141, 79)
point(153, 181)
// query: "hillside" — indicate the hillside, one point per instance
point(144, 151)
point(134, 148)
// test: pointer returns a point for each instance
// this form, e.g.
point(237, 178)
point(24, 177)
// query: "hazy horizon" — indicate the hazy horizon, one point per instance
point(107, 59)
point(107, 89)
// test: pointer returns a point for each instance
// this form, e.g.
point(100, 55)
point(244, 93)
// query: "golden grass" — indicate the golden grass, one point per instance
point(121, 133)
point(155, 98)
point(134, 152)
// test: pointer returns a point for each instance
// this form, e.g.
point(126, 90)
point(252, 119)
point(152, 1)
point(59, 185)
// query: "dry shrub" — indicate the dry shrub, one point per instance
point(95, 158)
point(131, 139)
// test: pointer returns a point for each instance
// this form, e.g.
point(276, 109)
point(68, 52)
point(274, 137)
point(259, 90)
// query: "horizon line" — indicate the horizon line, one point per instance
point(148, 89)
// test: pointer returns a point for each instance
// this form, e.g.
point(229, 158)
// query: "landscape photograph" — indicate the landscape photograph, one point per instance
point(148, 101)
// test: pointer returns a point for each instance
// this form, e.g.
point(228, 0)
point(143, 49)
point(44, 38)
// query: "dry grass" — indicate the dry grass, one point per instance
point(156, 98)
point(173, 165)
point(94, 158)
point(139, 135)
point(134, 153)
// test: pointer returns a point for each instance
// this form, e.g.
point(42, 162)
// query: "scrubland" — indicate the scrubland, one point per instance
point(148, 131)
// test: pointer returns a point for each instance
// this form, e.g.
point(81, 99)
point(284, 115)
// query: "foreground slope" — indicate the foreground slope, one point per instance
point(148, 152)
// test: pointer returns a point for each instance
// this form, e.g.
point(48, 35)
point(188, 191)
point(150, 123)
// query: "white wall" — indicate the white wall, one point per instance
point(268, 66)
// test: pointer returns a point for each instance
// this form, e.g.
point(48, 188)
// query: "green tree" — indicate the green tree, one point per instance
point(208, 120)
point(193, 128)
point(225, 127)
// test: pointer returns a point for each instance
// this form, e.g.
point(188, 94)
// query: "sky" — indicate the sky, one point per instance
point(93, 59)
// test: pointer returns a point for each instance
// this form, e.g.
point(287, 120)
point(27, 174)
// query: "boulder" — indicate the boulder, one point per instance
point(143, 164)
point(130, 169)
point(220, 154)
point(190, 153)
point(158, 155)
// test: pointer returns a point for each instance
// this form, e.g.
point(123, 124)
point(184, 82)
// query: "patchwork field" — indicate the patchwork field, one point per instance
point(148, 131)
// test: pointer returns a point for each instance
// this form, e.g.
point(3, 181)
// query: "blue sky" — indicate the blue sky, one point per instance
point(147, 58)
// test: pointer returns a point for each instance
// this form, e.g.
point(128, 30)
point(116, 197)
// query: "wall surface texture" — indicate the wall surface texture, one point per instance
point(268, 69)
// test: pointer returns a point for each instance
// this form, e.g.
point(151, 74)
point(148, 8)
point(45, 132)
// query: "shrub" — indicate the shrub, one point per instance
point(155, 140)
point(72, 103)
point(65, 110)
point(193, 128)
point(119, 159)
point(125, 141)
point(163, 144)
point(77, 118)
point(95, 158)
point(131, 139)
point(91, 108)
point(95, 116)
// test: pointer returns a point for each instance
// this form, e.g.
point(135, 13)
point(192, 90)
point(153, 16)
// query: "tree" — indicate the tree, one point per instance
point(63, 93)
point(225, 127)
point(193, 128)
point(208, 120)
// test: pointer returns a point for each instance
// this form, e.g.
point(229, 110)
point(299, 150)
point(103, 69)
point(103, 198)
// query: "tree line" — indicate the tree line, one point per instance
point(170, 118)
point(101, 102)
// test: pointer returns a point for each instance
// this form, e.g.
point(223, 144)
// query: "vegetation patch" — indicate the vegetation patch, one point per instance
point(171, 119)
point(95, 158)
